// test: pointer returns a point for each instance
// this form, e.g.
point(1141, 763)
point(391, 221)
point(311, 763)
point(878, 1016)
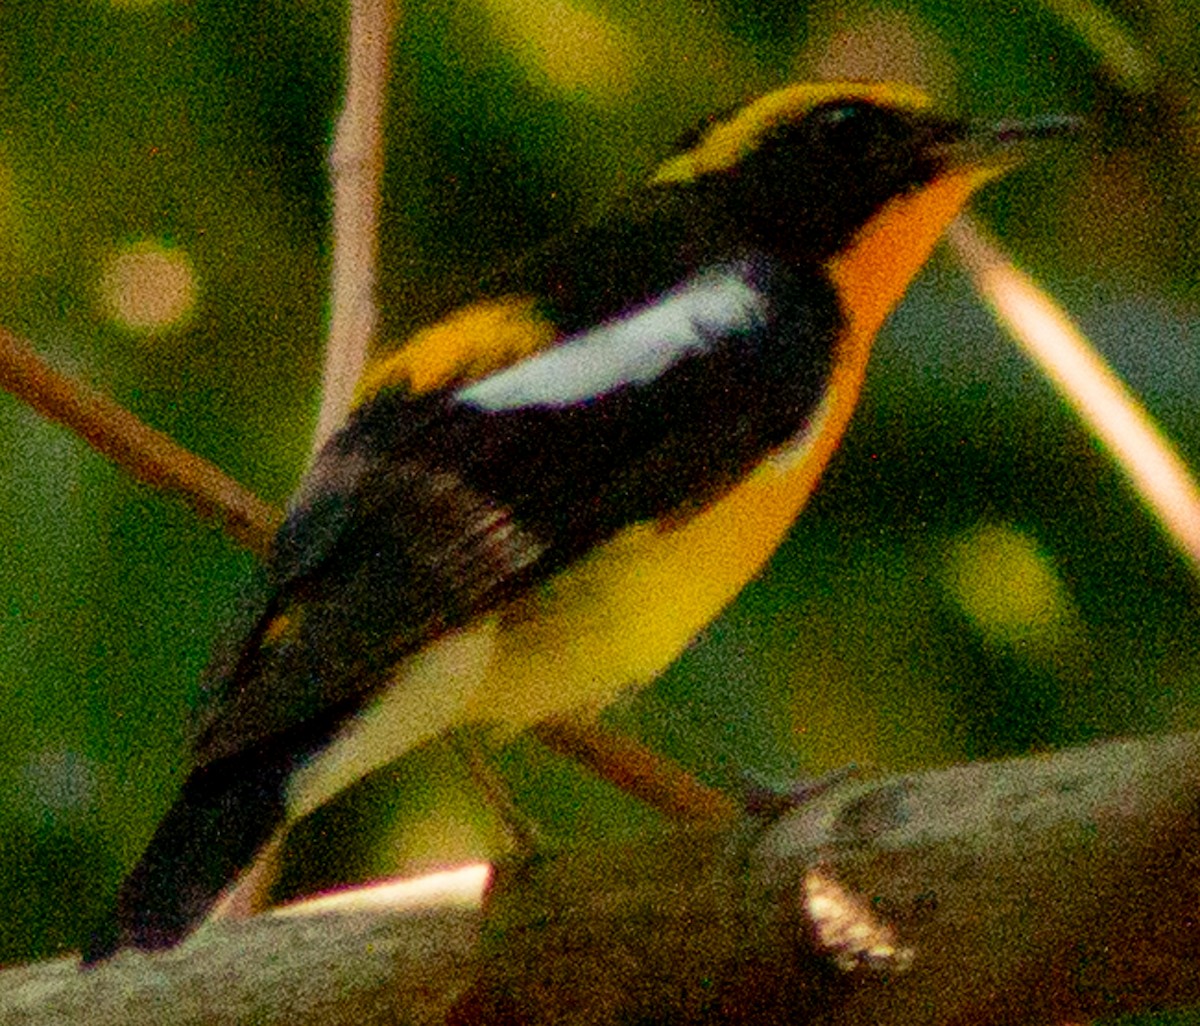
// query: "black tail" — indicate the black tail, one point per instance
point(228, 810)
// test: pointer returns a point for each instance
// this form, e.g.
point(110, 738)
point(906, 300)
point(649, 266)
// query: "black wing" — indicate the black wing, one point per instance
point(425, 512)
point(386, 547)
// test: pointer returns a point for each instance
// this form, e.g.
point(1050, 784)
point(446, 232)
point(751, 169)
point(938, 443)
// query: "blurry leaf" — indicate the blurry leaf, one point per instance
point(1119, 52)
point(574, 48)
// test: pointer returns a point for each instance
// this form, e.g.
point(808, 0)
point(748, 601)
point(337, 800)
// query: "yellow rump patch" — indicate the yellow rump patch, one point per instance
point(462, 347)
point(279, 628)
point(727, 142)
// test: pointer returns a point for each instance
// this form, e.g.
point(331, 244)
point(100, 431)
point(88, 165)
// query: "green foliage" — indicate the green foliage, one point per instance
point(973, 578)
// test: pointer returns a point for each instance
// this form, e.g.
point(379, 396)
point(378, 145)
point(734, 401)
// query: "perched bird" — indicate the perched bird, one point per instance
point(542, 497)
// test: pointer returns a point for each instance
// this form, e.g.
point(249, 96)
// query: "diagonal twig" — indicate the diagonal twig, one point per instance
point(1099, 398)
point(144, 453)
point(155, 459)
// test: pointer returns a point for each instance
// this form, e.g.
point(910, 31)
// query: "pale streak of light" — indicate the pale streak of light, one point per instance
point(357, 171)
point(1108, 409)
point(458, 888)
point(846, 927)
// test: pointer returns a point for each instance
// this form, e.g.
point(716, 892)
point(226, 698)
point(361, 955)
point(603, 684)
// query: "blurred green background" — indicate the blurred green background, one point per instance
point(974, 579)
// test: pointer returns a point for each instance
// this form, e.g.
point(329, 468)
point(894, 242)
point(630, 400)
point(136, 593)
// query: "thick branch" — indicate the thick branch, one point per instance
point(1034, 890)
point(352, 969)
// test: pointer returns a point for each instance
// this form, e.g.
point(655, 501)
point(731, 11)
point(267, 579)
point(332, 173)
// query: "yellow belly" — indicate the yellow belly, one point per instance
point(613, 621)
point(622, 615)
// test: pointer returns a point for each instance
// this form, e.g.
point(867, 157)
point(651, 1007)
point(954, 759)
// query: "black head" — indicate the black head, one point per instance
point(804, 168)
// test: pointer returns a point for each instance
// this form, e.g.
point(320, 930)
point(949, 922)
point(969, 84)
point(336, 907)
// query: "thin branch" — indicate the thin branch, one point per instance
point(357, 173)
point(1120, 53)
point(144, 453)
point(636, 770)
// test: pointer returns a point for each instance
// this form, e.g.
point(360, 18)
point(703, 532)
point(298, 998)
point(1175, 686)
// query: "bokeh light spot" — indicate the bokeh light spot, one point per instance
point(576, 49)
point(1006, 585)
point(59, 782)
point(148, 286)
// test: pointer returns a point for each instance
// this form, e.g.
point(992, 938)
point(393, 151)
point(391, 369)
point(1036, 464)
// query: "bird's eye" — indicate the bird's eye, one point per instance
point(844, 120)
point(838, 114)
point(854, 128)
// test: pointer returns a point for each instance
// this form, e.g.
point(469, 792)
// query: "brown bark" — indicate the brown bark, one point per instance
point(1030, 891)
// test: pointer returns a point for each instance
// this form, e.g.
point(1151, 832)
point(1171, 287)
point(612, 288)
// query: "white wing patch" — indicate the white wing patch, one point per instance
point(632, 349)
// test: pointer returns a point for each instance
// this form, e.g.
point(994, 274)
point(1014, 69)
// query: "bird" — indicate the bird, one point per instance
point(548, 491)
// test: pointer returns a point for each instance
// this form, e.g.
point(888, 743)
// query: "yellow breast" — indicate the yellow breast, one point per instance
point(624, 613)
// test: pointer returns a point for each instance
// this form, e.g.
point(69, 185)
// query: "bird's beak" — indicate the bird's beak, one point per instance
point(1000, 145)
point(872, 274)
